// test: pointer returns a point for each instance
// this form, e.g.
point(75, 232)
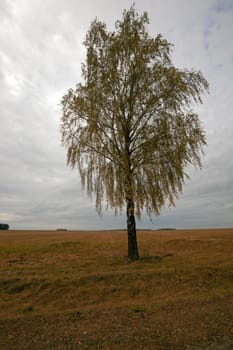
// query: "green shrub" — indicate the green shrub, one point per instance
point(4, 227)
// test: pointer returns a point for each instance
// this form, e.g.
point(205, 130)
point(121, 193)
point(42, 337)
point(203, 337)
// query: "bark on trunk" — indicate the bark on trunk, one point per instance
point(132, 236)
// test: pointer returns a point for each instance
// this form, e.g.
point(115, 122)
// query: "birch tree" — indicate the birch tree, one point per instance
point(129, 126)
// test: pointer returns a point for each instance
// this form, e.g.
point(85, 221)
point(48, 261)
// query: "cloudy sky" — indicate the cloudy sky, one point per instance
point(41, 53)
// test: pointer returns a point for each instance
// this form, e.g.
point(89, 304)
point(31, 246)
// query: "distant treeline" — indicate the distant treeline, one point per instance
point(167, 229)
point(4, 227)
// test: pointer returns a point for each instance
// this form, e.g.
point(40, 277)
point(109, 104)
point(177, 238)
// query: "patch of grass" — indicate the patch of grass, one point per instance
point(26, 309)
point(139, 309)
point(136, 309)
point(15, 285)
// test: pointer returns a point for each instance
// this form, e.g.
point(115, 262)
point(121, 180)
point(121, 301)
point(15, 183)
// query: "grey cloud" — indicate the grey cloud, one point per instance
point(40, 58)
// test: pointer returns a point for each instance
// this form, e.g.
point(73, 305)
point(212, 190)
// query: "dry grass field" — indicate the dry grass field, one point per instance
point(76, 290)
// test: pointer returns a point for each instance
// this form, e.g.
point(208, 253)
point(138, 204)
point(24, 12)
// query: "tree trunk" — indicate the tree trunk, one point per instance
point(132, 236)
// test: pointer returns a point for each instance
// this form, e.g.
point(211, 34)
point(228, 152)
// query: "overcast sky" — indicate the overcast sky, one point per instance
point(41, 53)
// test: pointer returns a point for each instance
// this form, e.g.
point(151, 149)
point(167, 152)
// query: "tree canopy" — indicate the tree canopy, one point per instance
point(129, 125)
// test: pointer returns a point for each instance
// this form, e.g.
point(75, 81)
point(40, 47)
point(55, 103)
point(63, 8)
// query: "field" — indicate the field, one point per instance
point(76, 290)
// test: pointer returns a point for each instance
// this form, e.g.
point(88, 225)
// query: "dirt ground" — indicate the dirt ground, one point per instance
point(76, 290)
